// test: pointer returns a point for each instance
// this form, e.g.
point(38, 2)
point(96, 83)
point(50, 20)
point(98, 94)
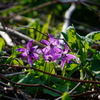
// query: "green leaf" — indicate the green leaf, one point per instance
point(14, 52)
point(46, 25)
point(72, 68)
point(15, 78)
point(26, 79)
point(63, 87)
point(17, 62)
point(95, 65)
point(65, 36)
point(2, 43)
point(54, 80)
point(71, 35)
point(46, 91)
point(9, 60)
point(49, 67)
point(94, 35)
point(65, 96)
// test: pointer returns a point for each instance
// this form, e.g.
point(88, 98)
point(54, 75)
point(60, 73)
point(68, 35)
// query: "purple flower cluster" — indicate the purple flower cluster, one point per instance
point(52, 51)
point(29, 52)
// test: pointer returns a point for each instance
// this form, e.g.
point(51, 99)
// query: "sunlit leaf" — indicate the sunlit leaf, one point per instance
point(2, 43)
point(65, 36)
point(71, 35)
point(17, 62)
point(14, 52)
point(94, 35)
point(65, 96)
point(26, 79)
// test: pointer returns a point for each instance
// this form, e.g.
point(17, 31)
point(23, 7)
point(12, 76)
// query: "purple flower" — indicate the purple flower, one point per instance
point(52, 41)
point(51, 55)
point(66, 58)
point(29, 52)
point(51, 52)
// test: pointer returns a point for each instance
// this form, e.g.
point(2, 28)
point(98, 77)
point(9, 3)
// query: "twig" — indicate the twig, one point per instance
point(67, 16)
point(89, 6)
point(13, 74)
point(4, 84)
point(71, 90)
point(6, 37)
point(6, 34)
point(81, 23)
point(30, 85)
point(9, 6)
point(10, 98)
point(84, 94)
point(76, 1)
point(22, 36)
point(35, 8)
point(58, 76)
point(34, 29)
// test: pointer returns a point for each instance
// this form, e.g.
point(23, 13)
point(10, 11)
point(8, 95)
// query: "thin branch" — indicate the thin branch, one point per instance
point(6, 37)
point(58, 76)
point(76, 1)
point(81, 23)
point(89, 6)
point(33, 29)
point(22, 36)
point(78, 84)
point(10, 98)
point(13, 74)
point(30, 85)
point(84, 94)
point(9, 6)
point(35, 8)
point(38, 7)
point(4, 84)
point(67, 16)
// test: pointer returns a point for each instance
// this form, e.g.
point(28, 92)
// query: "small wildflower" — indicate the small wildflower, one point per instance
point(66, 58)
point(29, 52)
point(51, 52)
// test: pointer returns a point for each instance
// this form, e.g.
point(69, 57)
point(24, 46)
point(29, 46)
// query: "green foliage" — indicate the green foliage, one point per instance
point(65, 96)
point(2, 43)
point(85, 67)
point(94, 36)
point(77, 42)
point(46, 91)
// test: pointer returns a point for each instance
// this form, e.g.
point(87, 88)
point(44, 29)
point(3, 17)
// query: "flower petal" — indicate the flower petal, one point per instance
point(56, 56)
point(48, 57)
point(50, 36)
point(54, 41)
point(63, 62)
point(57, 49)
point(21, 49)
point(29, 44)
point(30, 60)
point(66, 48)
point(33, 49)
point(70, 56)
point(24, 54)
point(39, 51)
point(45, 42)
point(46, 49)
point(35, 56)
